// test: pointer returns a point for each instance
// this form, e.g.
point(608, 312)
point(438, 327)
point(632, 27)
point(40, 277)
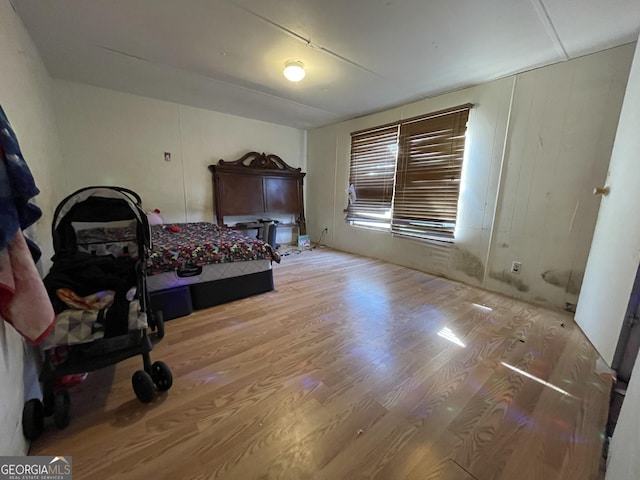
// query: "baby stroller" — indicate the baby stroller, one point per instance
point(97, 285)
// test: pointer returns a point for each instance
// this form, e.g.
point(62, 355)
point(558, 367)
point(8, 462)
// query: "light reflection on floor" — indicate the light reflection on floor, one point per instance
point(448, 334)
point(539, 380)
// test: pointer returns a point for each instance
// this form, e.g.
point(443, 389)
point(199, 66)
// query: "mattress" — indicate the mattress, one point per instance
point(187, 245)
point(205, 273)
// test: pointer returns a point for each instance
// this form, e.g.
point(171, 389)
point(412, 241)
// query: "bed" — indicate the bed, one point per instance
point(204, 264)
point(198, 265)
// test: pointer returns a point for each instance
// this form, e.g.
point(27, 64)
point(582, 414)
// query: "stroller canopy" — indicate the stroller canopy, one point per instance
point(99, 207)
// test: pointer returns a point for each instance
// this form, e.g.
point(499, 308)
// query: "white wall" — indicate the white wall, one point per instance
point(114, 138)
point(564, 120)
point(549, 132)
point(27, 100)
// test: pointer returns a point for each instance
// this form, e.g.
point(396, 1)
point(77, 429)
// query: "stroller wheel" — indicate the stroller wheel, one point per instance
point(142, 386)
point(32, 419)
point(61, 409)
point(161, 375)
point(159, 320)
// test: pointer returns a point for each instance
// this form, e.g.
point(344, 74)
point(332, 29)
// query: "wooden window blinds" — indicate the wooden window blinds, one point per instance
point(408, 174)
point(373, 167)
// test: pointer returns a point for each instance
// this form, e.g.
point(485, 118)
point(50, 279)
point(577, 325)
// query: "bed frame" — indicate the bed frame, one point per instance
point(258, 184)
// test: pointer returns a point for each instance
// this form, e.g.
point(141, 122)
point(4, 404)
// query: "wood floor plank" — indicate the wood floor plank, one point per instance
point(352, 368)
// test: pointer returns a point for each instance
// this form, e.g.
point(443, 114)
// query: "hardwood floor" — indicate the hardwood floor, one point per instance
point(353, 368)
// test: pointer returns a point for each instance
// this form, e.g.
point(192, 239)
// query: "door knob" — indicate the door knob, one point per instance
point(601, 191)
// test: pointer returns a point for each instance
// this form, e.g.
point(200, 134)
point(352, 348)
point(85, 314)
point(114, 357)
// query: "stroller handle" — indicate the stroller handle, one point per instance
point(131, 193)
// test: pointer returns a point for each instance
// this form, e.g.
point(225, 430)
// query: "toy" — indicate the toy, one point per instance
point(154, 217)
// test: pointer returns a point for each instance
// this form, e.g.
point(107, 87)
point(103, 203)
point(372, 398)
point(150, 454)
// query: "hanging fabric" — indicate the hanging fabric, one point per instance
point(23, 299)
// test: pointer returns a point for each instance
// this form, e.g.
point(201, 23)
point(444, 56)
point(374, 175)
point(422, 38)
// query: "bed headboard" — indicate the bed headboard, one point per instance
point(258, 184)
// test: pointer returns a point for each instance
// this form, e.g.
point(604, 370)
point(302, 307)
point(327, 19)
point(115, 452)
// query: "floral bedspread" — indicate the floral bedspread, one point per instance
point(200, 244)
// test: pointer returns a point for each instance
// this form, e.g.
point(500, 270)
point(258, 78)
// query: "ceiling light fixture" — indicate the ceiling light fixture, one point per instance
point(294, 71)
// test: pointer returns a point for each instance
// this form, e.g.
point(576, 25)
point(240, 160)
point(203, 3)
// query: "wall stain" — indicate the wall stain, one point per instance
point(468, 263)
point(509, 279)
point(568, 280)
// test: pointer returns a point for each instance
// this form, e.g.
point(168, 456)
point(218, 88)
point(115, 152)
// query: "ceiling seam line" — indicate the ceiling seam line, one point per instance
point(544, 15)
point(113, 50)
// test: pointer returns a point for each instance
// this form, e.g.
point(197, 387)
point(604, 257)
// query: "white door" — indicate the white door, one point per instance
point(615, 250)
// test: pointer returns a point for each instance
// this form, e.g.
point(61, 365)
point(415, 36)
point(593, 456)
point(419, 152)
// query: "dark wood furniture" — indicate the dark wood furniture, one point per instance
point(258, 184)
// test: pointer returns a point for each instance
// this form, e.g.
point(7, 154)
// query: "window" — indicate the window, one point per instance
point(405, 177)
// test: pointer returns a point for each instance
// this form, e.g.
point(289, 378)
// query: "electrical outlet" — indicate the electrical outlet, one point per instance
point(516, 267)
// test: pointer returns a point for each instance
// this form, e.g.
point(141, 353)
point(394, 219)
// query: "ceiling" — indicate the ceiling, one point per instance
point(361, 56)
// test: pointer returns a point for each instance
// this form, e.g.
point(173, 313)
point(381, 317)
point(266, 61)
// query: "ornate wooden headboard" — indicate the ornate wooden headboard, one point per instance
point(258, 184)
